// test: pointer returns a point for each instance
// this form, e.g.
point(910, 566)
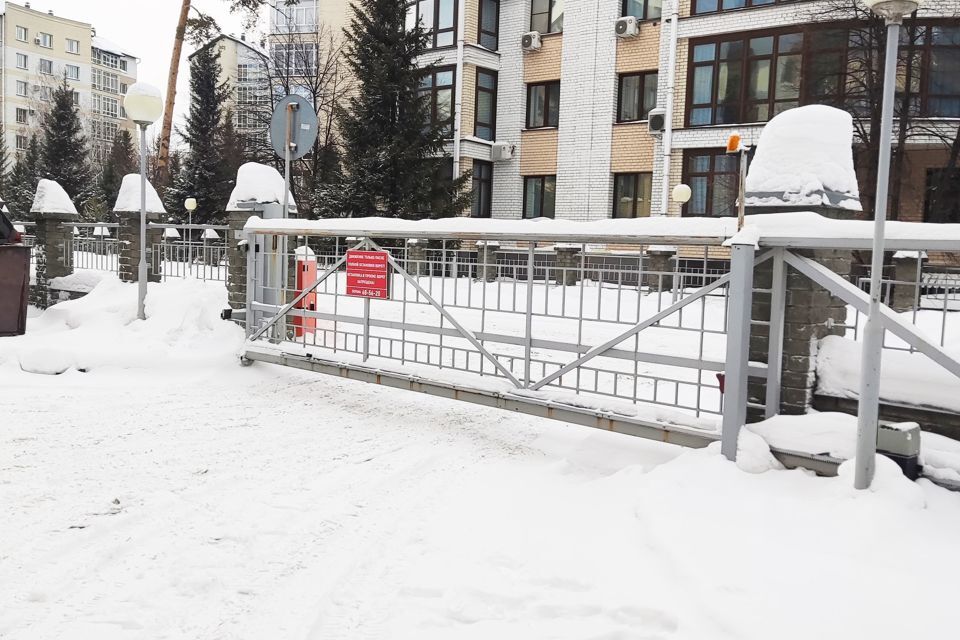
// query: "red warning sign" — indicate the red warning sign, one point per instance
point(368, 274)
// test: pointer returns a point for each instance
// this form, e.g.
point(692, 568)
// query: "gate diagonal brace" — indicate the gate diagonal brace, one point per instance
point(446, 314)
point(303, 294)
point(640, 326)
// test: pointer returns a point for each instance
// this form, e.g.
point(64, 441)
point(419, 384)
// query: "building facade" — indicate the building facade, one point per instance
point(244, 69)
point(39, 50)
point(548, 105)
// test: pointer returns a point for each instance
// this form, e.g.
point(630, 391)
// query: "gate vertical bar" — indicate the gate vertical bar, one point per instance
point(778, 298)
point(366, 329)
point(251, 324)
point(528, 335)
point(738, 346)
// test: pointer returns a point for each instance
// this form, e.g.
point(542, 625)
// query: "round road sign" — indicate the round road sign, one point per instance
point(295, 120)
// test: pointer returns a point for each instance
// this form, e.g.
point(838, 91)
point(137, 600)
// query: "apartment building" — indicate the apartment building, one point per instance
point(244, 68)
point(548, 101)
point(38, 50)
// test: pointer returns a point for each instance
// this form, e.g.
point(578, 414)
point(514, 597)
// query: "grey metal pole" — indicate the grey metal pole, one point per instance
point(868, 408)
point(740, 301)
point(142, 273)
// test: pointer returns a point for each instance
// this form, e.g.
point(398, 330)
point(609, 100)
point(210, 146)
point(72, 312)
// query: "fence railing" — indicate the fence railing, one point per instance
point(92, 246)
point(197, 251)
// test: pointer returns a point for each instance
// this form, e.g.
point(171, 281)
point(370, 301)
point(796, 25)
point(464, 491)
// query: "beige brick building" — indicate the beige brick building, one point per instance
point(39, 49)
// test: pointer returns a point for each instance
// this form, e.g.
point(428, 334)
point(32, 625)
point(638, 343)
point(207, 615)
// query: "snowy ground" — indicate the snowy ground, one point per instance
point(166, 492)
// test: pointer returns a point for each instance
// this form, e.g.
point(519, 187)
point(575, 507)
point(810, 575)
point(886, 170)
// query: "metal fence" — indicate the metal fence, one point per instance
point(92, 246)
point(197, 251)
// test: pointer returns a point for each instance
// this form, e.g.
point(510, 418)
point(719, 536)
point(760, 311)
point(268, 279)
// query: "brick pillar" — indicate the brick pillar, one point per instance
point(237, 258)
point(810, 314)
point(487, 269)
point(129, 246)
point(53, 242)
point(417, 257)
point(567, 269)
point(658, 268)
point(905, 267)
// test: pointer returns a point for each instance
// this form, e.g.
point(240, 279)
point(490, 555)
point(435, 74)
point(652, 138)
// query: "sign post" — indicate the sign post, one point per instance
point(293, 130)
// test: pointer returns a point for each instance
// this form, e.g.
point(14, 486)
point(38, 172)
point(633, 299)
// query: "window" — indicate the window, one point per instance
point(46, 40)
point(46, 94)
point(935, 78)
point(482, 188)
point(297, 59)
point(546, 16)
point(73, 46)
point(22, 142)
point(300, 18)
point(713, 177)
point(22, 33)
point(123, 112)
point(104, 131)
point(73, 72)
point(942, 201)
point(638, 95)
point(642, 9)
point(123, 88)
point(745, 79)
point(105, 81)
point(485, 126)
point(437, 88)
point(489, 24)
point(22, 115)
point(543, 105)
point(106, 59)
point(539, 196)
point(712, 6)
point(631, 195)
point(123, 65)
point(46, 67)
point(76, 97)
point(21, 88)
point(22, 61)
point(438, 18)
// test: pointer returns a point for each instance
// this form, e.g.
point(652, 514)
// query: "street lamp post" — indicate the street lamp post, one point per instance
point(190, 204)
point(144, 106)
point(868, 409)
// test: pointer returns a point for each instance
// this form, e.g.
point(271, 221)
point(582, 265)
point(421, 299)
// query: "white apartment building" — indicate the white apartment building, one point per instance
point(38, 50)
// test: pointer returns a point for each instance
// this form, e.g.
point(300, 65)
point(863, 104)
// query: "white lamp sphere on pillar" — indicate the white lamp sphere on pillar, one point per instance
point(143, 103)
point(682, 194)
point(190, 204)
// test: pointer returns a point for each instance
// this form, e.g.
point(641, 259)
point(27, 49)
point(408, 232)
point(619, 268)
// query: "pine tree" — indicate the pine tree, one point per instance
point(63, 149)
point(200, 175)
point(233, 153)
point(121, 161)
point(392, 152)
point(24, 179)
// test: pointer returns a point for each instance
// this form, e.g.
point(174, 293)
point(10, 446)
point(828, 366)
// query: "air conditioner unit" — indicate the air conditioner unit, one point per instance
point(501, 151)
point(531, 41)
point(626, 27)
point(657, 120)
point(36, 40)
point(36, 87)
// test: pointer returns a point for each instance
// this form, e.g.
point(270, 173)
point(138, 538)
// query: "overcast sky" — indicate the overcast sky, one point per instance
point(146, 29)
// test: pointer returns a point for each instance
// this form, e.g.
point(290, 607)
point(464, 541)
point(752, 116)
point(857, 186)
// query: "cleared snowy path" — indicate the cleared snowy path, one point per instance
point(169, 493)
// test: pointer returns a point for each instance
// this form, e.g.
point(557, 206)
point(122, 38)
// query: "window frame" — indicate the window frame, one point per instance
point(48, 64)
point(478, 181)
point(646, 11)
point(476, 105)
point(637, 176)
point(550, 16)
point(70, 41)
point(547, 87)
point(641, 108)
point(712, 179)
point(494, 34)
point(26, 61)
point(24, 112)
point(25, 32)
point(543, 187)
point(433, 30)
point(45, 38)
point(26, 88)
point(21, 142)
point(432, 92)
point(67, 69)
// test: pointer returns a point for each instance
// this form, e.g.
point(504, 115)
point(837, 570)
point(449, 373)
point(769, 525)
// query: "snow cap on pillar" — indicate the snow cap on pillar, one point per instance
point(260, 184)
point(52, 199)
point(804, 158)
point(128, 200)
